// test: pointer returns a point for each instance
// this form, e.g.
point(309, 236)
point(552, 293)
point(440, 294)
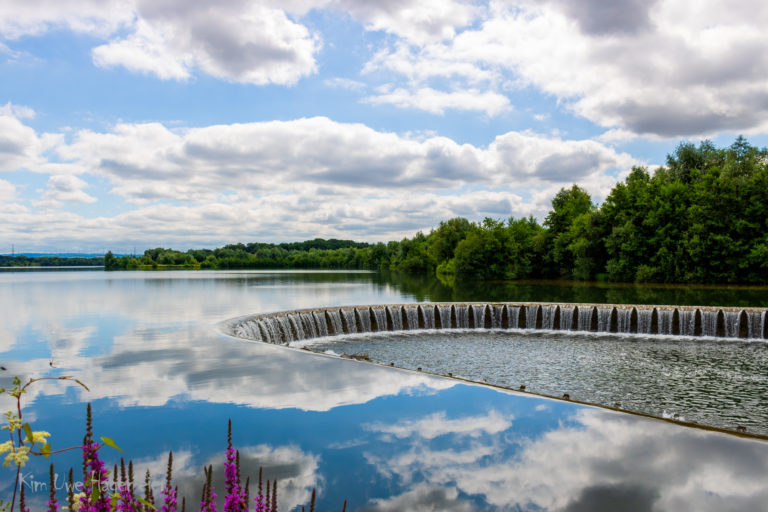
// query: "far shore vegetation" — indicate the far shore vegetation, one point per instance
point(701, 218)
point(50, 261)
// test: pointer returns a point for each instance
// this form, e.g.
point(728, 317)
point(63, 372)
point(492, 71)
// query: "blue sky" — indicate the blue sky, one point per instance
point(134, 123)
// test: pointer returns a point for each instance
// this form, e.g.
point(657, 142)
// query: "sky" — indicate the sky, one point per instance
point(130, 124)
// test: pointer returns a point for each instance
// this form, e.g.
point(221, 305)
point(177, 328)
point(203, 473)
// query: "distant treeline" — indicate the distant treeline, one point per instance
point(317, 253)
point(49, 261)
point(701, 218)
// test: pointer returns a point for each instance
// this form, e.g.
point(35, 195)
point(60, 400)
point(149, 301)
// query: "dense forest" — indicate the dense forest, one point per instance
point(701, 218)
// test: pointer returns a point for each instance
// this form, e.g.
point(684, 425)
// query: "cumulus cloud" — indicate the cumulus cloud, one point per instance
point(301, 178)
point(33, 17)
point(236, 41)
point(21, 147)
point(7, 192)
point(66, 188)
point(436, 102)
point(418, 22)
point(199, 365)
point(665, 69)
point(279, 217)
point(600, 18)
point(17, 111)
point(594, 461)
point(437, 424)
point(181, 367)
point(149, 161)
point(421, 497)
point(552, 159)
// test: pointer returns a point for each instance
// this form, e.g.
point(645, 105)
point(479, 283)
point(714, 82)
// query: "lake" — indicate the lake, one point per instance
point(162, 376)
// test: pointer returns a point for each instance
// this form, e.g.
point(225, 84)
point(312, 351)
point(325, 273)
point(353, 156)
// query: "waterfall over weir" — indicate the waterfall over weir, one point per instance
point(285, 327)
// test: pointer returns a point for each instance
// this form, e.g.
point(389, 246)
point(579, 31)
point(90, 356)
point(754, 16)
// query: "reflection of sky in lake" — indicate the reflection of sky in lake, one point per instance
point(162, 378)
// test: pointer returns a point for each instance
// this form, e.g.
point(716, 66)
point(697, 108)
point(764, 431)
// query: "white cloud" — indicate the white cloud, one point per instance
point(235, 41)
point(588, 461)
point(17, 111)
point(619, 135)
point(661, 71)
point(67, 343)
point(667, 68)
point(148, 162)
point(283, 217)
point(344, 83)
point(146, 50)
point(7, 192)
point(20, 145)
point(159, 380)
point(436, 102)
point(422, 498)
point(289, 179)
point(419, 64)
point(65, 188)
point(34, 17)
point(417, 21)
point(437, 424)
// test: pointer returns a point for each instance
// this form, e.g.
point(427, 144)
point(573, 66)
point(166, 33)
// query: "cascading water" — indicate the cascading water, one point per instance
point(604, 319)
point(645, 321)
point(566, 318)
point(281, 328)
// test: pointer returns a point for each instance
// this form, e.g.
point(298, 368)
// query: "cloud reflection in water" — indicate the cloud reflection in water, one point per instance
point(161, 378)
point(595, 460)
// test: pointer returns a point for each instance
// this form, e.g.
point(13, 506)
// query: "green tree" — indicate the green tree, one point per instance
point(567, 205)
point(586, 245)
point(109, 261)
point(521, 250)
point(446, 237)
point(483, 254)
point(626, 211)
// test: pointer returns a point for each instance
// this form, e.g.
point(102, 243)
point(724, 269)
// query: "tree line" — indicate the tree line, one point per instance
point(49, 261)
point(701, 218)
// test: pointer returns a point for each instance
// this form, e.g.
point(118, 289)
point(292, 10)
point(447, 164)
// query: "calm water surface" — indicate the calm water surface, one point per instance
point(163, 377)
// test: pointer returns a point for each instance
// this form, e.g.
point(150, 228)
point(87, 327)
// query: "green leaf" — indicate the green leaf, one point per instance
point(107, 441)
point(46, 450)
point(146, 503)
point(28, 431)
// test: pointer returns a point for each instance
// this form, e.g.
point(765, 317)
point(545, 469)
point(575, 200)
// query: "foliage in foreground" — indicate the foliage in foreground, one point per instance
point(702, 218)
point(97, 493)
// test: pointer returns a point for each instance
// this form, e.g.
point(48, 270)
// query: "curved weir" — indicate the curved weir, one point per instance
point(285, 327)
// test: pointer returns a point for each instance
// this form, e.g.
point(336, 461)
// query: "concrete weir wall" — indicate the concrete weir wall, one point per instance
point(288, 326)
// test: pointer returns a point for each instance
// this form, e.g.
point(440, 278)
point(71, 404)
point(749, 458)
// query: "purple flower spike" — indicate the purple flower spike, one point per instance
point(169, 493)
